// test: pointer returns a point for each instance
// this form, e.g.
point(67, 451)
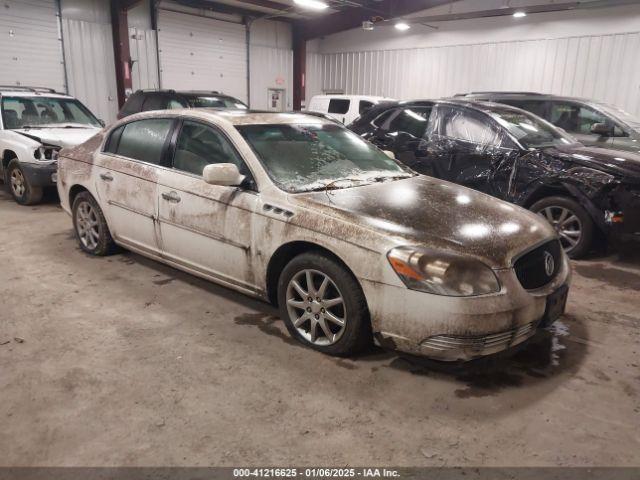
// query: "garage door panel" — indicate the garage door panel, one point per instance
point(202, 53)
point(30, 33)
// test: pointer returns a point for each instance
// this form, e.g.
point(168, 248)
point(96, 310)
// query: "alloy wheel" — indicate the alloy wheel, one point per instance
point(18, 184)
point(566, 223)
point(87, 225)
point(316, 307)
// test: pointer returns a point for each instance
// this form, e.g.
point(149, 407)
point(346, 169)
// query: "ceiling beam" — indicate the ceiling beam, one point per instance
point(354, 16)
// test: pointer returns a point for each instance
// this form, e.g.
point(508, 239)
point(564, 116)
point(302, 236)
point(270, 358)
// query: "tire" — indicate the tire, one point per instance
point(21, 191)
point(91, 227)
point(576, 219)
point(355, 333)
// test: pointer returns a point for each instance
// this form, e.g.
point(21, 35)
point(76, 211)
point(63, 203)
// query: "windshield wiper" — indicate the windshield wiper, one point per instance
point(332, 184)
point(382, 178)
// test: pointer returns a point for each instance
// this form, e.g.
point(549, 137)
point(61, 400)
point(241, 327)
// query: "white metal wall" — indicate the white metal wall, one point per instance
point(90, 66)
point(270, 68)
point(602, 67)
point(30, 51)
point(202, 53)
point(142, 45)
point(313, 76)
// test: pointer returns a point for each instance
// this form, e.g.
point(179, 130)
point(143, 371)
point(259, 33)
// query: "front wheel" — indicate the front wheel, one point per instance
point(90, 226)
point(323, 305)
point(22, 191)
point(572, 222)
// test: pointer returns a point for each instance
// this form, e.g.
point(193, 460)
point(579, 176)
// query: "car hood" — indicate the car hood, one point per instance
point(426, 211)
point(616, 162)
point(61, 137)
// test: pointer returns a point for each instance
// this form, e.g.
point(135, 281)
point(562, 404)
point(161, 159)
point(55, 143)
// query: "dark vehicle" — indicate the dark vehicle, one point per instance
point(516, 156)
point(594, 124)
point(145, 100)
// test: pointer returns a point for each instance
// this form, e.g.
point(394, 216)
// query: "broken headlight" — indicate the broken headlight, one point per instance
point(46, 153)
point(442, 273)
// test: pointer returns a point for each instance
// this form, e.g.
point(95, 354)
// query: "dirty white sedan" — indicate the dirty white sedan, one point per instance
point(301, 212)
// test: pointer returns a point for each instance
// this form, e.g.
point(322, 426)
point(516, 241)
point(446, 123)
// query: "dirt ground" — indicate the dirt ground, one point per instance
point(123, 361)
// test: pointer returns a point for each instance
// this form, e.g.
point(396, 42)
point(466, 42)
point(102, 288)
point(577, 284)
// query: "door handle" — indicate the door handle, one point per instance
point(107, 177)
point(171, 197)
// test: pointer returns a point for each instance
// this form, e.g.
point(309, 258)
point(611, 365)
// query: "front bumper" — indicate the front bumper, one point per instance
point(462, 328)
point(40, 175)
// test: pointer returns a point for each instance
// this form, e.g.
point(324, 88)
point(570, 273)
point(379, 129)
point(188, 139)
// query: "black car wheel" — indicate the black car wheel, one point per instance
point(572, 222)
point(22, 192)
point(90, 226)
point(323, 305)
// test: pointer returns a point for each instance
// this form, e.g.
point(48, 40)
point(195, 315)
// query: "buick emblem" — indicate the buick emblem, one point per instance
point(549, 264)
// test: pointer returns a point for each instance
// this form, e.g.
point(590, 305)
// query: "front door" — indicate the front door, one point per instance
point(206, 228)
point(127, 175)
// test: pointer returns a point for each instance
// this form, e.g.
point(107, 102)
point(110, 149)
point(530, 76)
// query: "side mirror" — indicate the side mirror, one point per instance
point(224, 174)
point(602, 129)
point(390, 154)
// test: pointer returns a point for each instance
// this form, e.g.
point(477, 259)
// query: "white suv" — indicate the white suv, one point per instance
point(35, 123)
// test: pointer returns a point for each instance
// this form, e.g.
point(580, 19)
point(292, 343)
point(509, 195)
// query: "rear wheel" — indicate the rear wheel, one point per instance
point(323, 305)
point(90, 226)
point(572, 222)
point(22, 192)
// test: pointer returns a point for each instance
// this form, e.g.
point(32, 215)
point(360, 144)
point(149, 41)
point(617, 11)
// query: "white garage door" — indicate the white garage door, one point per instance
point(199, 53)
point(30, 49)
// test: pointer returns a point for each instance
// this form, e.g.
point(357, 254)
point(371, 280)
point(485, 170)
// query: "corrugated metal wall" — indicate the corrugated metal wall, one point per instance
point(30, 50)
point(142, 45)
point(602, 67)
point(270, 68)
point(91, 66)
point(202, 53)
point(313, 76)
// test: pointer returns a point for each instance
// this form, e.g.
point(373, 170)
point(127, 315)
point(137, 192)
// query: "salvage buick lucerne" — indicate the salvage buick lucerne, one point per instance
point(299, 211)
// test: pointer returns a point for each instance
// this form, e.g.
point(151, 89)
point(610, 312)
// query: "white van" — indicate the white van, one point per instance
point(344, 108)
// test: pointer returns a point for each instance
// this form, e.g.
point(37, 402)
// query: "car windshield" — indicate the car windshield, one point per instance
point(212, 101)
point(622, 115)
point(304, 157)
point(529, 130)
point(42, 112)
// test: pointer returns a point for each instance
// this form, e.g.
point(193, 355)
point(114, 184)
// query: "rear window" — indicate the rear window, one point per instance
point(155, 102)
point(141, 140)
point(132, 105)
point(339, 105)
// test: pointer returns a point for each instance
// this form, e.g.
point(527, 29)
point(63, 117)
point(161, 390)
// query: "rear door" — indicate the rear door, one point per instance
point(128, 171)
point(206, 228)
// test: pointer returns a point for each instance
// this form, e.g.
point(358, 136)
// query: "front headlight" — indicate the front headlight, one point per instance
point(442, 273)
point(46, 153)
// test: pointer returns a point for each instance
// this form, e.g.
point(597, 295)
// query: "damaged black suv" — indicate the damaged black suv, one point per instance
point(516, 156)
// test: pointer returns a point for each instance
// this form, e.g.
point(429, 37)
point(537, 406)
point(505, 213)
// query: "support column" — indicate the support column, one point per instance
point(121, 50)
point(299, 68)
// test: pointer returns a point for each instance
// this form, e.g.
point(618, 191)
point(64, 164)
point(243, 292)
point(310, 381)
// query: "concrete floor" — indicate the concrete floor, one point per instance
point(123, 361)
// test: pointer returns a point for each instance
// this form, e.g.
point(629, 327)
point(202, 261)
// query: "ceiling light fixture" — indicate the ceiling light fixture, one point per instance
point(519, 14)
point(311, 4)
point(402, 26)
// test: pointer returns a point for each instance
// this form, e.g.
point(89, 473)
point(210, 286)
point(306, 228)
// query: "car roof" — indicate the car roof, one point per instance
point(185, 92)
point(18, 91)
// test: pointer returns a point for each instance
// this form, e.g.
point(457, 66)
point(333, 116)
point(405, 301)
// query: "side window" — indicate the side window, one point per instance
point(199, 145)
point(339, 105)
point(413, 121)
point(144, 139)
point(154, 102)
point(364, 106)
point(575, 118)
point(469, 127)
point(533, 106)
